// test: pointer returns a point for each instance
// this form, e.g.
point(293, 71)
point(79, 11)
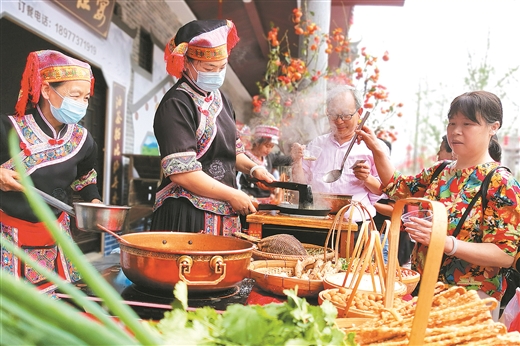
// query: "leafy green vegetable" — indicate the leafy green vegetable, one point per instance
point(295, 322)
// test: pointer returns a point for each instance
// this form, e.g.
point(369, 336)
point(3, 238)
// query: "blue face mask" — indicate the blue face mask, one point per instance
point(210, 81)
point(70, 112)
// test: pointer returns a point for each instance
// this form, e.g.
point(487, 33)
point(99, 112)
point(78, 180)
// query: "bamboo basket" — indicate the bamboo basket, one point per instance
point(343, 312)
point(365, 262)
point(276, 284)
point(430, 272)
point(432, 263)
point(411, 282)
point(335, 281)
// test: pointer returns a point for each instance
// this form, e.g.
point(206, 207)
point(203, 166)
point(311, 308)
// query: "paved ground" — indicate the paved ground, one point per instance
point(101, 262)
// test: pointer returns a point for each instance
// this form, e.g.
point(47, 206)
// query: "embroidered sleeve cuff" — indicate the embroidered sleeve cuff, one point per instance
point(87, 179)
point(180, 163)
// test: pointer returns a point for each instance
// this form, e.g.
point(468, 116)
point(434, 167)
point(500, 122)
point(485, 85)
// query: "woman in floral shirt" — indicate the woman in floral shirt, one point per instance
point(489, 238)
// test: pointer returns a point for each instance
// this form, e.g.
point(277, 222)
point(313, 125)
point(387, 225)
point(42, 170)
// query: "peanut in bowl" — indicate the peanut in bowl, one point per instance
point(364, 304)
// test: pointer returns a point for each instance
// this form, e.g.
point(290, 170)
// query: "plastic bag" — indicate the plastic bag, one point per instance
point(511, 315)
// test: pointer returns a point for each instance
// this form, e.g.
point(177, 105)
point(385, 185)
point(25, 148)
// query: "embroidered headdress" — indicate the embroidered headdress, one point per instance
point(267, 132)
point(206, 40)
point(50, 66)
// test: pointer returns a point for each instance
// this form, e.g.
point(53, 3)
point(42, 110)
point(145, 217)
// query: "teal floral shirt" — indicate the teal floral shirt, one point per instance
point(498, 224)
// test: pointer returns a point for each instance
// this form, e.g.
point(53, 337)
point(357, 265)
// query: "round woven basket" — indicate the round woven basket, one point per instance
point(410, 280)
point(336, 281)
point(352, 312)
point(314, 250)
point(276, 284)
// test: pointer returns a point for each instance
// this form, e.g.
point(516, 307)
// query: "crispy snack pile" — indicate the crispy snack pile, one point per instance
point(457, 317)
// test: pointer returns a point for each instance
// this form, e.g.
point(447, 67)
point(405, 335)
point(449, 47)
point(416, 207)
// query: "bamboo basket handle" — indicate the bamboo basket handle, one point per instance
point(430, 274)
point(393, 248)
point(363, 232)
point(337, 223)
point(380, 265)
point(247, 237)
point(355, 260)
point(334, 233)
point(386, 228)
point(368, 251)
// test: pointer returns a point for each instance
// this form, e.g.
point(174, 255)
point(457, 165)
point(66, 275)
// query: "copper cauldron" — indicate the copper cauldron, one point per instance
point(203, 261)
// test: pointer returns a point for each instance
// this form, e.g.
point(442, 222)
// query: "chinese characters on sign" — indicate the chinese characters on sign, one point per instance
point(118, 104)
point(70, 35)
point(96, 14)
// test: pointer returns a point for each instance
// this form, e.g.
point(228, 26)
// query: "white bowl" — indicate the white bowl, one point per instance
point(366, 285)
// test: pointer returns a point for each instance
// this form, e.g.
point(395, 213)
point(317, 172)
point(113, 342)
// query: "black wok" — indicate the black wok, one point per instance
point(294, 210)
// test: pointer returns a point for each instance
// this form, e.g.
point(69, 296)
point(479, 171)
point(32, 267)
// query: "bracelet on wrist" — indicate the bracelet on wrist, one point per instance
point(455, 245)
point(254, 168)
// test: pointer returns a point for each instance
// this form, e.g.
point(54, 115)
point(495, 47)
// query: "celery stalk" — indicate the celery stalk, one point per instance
point(56, 313)
point(21, 326)
point(95, 281)
point(77, 295)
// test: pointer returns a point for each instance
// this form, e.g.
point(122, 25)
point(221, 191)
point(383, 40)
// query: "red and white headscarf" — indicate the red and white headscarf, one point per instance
point(266, 131)
point(50, 66)
point(205, 40)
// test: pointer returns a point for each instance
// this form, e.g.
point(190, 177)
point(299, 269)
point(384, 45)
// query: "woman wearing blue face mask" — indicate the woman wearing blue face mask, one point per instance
point(198, 140)
point(57, 154)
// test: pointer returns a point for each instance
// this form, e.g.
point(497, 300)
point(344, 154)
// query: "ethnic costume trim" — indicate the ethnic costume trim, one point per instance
point(40, 150)
point(239, 145)
point(209, 108)
point(180, 163)
point(25, 234)
point(258, 160)
point(221, 225)
point(87, 179)
point(203, 203)
point(208, 54)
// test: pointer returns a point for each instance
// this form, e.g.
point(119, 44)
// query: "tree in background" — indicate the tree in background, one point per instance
point(433, 105)
point(289, 96)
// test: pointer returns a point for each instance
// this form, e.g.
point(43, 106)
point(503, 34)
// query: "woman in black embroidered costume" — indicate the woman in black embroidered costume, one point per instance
point(264, 139)
point(56, 152)
point(198, 140)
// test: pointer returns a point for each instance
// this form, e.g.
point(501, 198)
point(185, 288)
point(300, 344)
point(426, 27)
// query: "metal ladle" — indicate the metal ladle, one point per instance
point(69, 210)
point(335, 174)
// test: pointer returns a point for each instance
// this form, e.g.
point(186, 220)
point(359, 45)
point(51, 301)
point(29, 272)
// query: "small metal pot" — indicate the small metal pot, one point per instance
point(204, 262)
point(90, 215)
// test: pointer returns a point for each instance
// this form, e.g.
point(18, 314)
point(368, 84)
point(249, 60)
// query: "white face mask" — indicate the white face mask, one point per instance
point(70, 112)
point(210, 81)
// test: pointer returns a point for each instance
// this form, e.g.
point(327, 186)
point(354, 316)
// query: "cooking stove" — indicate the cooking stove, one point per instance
point(151, 303)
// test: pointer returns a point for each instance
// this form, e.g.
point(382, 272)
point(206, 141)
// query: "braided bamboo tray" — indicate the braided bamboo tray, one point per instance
point(276, 284)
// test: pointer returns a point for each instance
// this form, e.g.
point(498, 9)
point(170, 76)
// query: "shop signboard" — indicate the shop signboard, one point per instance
point(95, 14)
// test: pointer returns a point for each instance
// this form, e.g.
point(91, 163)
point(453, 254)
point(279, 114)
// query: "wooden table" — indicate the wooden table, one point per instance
point(261, 221)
